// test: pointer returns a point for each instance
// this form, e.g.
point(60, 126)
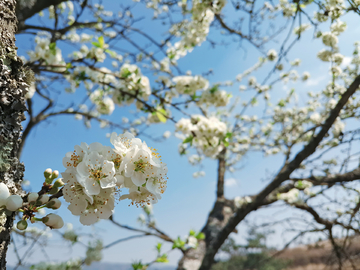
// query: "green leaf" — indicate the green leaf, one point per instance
point(214, 89)
point(178, 243)
point(52, 47)
point(192, 233)
point(111, 53)
point(200, 236)
point(101, 42)
point(253, 101)
point(226, 143)
point(68, 65)
point(158, 247)
point(137, 266)
point(162, 259)
point(188, 139)
point(194, 96)
point(282, 103)
point(125, 73)
point(161, 113)
point(96, 44)
point(228, 135)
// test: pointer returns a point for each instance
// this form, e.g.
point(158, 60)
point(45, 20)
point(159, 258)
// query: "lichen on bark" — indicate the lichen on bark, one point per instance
point(12, 106)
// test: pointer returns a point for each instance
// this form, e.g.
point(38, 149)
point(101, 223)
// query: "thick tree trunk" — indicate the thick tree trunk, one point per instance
point(223, 209)
point(12, 107)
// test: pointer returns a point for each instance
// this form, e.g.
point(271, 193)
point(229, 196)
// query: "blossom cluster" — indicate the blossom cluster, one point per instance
point(194, 32)
point(215, 97)
point(133, 83)
point(95, 174)
point(126, 85)
point(47, 52)
point(207, 134)
point(190, 84)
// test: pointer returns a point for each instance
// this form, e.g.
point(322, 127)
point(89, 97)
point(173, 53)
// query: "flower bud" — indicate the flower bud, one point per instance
point(22, 225)
point(54, 203)
point(58, 183)
point(53, 190)
point(44, 199)
point(53, 221)
point(14, 202)
point(32, 197)
point(4, 194)
point(41, 211)
point(55, 174)
point(48, 173)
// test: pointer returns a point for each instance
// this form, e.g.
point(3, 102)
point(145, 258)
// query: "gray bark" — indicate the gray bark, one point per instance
point(27, 8)
point(12, 107)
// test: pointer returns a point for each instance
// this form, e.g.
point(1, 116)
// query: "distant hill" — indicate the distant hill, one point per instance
point(320, 256)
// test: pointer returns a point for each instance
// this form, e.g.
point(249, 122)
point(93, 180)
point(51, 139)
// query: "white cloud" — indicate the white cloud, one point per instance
point(315, 81)
point(346, 61)
point(230, 182)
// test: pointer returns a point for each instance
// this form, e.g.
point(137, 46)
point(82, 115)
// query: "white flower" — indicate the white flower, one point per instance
point(291, 196)
point(338, 127)
point(324, 55)
point(338, 27)
point(215, 97)
point(301, 28)
point(157, 184)
point(305, 76)
point(336, 70)
point(123, 142)
point(72, 159)
point(70, 235)
point(337, 58)
point(252, 81)
point(207, 133)
point(101, 208)
point(93, 253)
point(316, 118)
point(140, 165)
point(198, 174)
point(240, 201)
point(95, 172)
point(74, 193)
point(189, 84)
point(329, 39)
point(272, 55)
point(139, 196)
point(167, 134)
point(296, 62)
point(192, 241)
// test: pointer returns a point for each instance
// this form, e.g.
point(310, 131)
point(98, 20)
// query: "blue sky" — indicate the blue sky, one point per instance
point(187, 201)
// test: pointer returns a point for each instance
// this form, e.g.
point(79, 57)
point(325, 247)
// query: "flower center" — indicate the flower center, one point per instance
point(117, 162)
point(97, 174)
point(140, 166)
point(74, 160)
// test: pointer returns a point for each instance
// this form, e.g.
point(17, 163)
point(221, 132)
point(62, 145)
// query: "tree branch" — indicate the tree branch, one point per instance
point(283, 175)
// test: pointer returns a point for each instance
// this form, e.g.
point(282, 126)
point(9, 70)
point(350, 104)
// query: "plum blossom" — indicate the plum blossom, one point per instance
point(95, 174)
